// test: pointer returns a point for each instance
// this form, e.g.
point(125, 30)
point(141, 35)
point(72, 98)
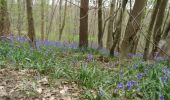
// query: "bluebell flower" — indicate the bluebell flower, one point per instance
point(164, 79)
point(160, 59)
point(116, 54)
point(162, 97)
point(135, 66)
point(166, 71)
point(130, 55)
point(146, 71)
point(89, 57)
point(140, 76)
point(130, 84)
point(120, 86)
point(139, 55)
point(138, 89)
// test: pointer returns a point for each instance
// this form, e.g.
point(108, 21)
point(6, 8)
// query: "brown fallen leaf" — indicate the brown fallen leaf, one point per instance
point(44, 81)
point(39, 90)
point(3, 91)
point(64, 90)
point(52, 98)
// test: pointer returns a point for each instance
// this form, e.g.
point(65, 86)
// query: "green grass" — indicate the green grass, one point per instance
point(97, 81)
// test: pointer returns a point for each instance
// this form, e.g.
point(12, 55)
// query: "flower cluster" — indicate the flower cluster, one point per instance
point(140, 76)
point(166, 73)
point(162, 97)
point(89, 57)
point(129, 85)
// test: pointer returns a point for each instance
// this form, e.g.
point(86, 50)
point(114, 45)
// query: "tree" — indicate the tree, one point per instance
point(151, 25)
point(117, 34)
point(31, 30)
point(62, 22)
point(132, 27)
point(19, 17)
point(100, 24)
point(110, 25)
point(4, 19)
point(42, 20)
point(83, 32)
point(167, 30)
point(158, 27)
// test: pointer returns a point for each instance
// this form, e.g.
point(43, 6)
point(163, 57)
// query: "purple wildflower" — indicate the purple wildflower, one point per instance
point(164, 79)
point(120, 86)
point(140, 76)
point(135, 66)
point(130, 84)
point(166, 71)
point(89, 57)
point(160, 59)
point(146, 71)
point(162, 97)
point(130, 55)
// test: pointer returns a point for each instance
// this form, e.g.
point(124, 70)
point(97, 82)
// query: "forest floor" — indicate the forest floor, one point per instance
point(50, 73)
point(29, 85)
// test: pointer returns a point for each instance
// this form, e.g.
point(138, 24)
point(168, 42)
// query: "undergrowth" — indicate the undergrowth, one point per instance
point(136, 80)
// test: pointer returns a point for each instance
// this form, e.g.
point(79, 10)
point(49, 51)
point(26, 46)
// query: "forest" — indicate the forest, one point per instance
point(84, 49)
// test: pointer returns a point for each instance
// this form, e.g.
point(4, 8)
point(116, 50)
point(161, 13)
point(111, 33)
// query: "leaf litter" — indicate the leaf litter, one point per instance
point(28, 84)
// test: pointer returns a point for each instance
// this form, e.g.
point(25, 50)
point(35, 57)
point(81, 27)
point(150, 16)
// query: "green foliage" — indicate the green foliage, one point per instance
point(137, 80)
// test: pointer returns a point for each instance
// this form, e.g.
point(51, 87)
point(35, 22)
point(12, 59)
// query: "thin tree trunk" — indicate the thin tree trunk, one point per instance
point(117, 34)
point(110, 25)
point(31, 30)
point(135, 45)
point(151, 25)
point(19, 17)
point(158, 27)
point(132, 27)
point(100, 24)
point(167, 30)
point(166, 20)
point(42, 20)
point(62, 24)
point(83, 33)
point(53, 10)
point(4, 19)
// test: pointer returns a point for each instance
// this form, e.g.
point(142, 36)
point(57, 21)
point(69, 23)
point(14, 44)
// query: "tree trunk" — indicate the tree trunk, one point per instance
point(158, 27)
point(42, 20)
point(19, 17)
point(53, 11)
point(110, 25)
point(4, 19)
point(62, 23)
point(151, 25)
point(135, 44)
point(100, 24)
point(83, 33)
point(167, 30)
point(132, 27)
point(31, 30)
point(117, 34)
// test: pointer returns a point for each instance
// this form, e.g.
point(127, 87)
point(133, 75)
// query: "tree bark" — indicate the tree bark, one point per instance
point(135, 44)
point(42, 20)
point(83, 33)
point(62, 22)
point(158, 27)
point(100, 24)
point(110, 25)
point(19, 17)
point(117, 34)
point(151, 25)
point(167, 30)
point(4, 19)
point(132, 27)
point(31, 30)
